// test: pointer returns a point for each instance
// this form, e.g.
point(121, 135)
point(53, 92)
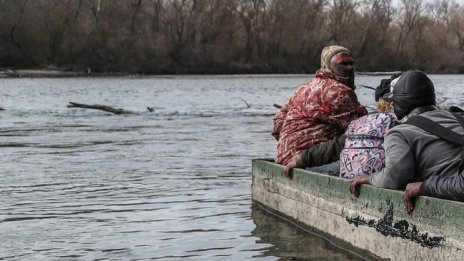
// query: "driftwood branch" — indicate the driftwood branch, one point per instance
point(247, 103)
point(98, 107)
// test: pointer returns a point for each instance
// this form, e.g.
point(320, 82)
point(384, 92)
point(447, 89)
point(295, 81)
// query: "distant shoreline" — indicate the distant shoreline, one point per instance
point(45, 73)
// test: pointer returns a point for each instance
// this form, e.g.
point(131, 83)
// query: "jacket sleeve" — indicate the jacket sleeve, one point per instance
point(279, 120)
point(447, 187)
point(400, 167)
point(322, 153)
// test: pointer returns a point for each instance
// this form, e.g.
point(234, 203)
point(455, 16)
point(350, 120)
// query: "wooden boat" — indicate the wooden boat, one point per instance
point(375, 223)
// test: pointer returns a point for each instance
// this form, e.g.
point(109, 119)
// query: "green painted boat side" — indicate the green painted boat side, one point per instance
point(324, 202)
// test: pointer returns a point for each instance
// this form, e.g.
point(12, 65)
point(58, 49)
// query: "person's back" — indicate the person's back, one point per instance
point(418, 153)
point(436, 157)
point(320, 109)
point(416, 157)
point(448, 185)
point(315, 115)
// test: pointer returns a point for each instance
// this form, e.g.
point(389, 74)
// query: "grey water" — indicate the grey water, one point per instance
point(81, 184)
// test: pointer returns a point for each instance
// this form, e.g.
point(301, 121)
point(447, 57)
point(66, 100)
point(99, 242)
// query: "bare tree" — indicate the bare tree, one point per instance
point(409, 15)
point(12, 18)
point(182, 36)
point(341, 15)
point(378, 15)
point(453, 17)
point(249, 12)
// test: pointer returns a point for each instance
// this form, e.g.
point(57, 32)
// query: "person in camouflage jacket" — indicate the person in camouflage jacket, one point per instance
point(321, 109)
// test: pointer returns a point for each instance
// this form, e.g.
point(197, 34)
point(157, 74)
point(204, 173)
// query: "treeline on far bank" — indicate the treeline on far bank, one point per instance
point(229, 36)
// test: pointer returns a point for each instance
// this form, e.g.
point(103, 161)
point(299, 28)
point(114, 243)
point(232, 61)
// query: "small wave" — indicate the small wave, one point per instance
point(208, 249)
point(192, 231)
point(19, 145)
point(225, 114)
point(13, 219)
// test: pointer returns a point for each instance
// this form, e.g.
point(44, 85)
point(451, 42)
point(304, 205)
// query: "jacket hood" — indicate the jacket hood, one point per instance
point(413, 90)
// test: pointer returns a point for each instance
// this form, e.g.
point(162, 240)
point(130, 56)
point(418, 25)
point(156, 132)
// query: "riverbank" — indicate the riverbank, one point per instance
point(55, 73)
point(51, 73)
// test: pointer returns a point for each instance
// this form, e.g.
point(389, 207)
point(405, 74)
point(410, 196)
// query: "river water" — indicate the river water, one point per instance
point(80, 184)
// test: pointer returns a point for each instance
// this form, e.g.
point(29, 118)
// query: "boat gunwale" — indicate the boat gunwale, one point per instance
point(438, 216)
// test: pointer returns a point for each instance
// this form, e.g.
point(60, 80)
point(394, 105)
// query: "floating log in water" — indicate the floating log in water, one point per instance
point(98, 107)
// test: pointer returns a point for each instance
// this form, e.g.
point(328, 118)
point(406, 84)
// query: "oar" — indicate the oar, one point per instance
point(365, 86)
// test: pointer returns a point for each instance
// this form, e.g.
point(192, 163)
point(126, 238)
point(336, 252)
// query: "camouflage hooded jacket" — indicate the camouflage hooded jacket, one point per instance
point(320, 110)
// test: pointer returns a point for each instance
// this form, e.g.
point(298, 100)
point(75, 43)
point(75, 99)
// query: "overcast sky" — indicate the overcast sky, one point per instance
point(460, 2)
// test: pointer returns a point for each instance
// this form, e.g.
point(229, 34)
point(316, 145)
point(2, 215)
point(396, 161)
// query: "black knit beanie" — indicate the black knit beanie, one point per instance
point(413, 90)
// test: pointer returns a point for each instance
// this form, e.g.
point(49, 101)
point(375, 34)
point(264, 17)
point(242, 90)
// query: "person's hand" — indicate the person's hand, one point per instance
point(288, 170)
point(356, 183)
point(276, 129)
point(412, 191)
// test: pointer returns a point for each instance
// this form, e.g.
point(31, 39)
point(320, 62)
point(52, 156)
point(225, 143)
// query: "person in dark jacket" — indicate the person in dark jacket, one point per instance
point(429, 164)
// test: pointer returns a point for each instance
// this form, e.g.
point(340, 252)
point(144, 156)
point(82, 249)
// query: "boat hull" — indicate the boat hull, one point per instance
point(375, 222)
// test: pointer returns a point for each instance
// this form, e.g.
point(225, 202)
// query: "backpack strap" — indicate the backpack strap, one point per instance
point(455, 109)
point(440, 131)
point(458, 114)
point(436, 129)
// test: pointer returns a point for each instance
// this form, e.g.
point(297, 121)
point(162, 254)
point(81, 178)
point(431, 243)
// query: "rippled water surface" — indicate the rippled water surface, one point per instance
point(80, 184)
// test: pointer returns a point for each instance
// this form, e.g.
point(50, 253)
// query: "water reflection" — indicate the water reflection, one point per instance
point(288, 243)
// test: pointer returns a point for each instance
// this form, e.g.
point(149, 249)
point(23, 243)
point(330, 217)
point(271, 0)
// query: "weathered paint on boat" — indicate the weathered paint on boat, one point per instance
point(375, 222)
